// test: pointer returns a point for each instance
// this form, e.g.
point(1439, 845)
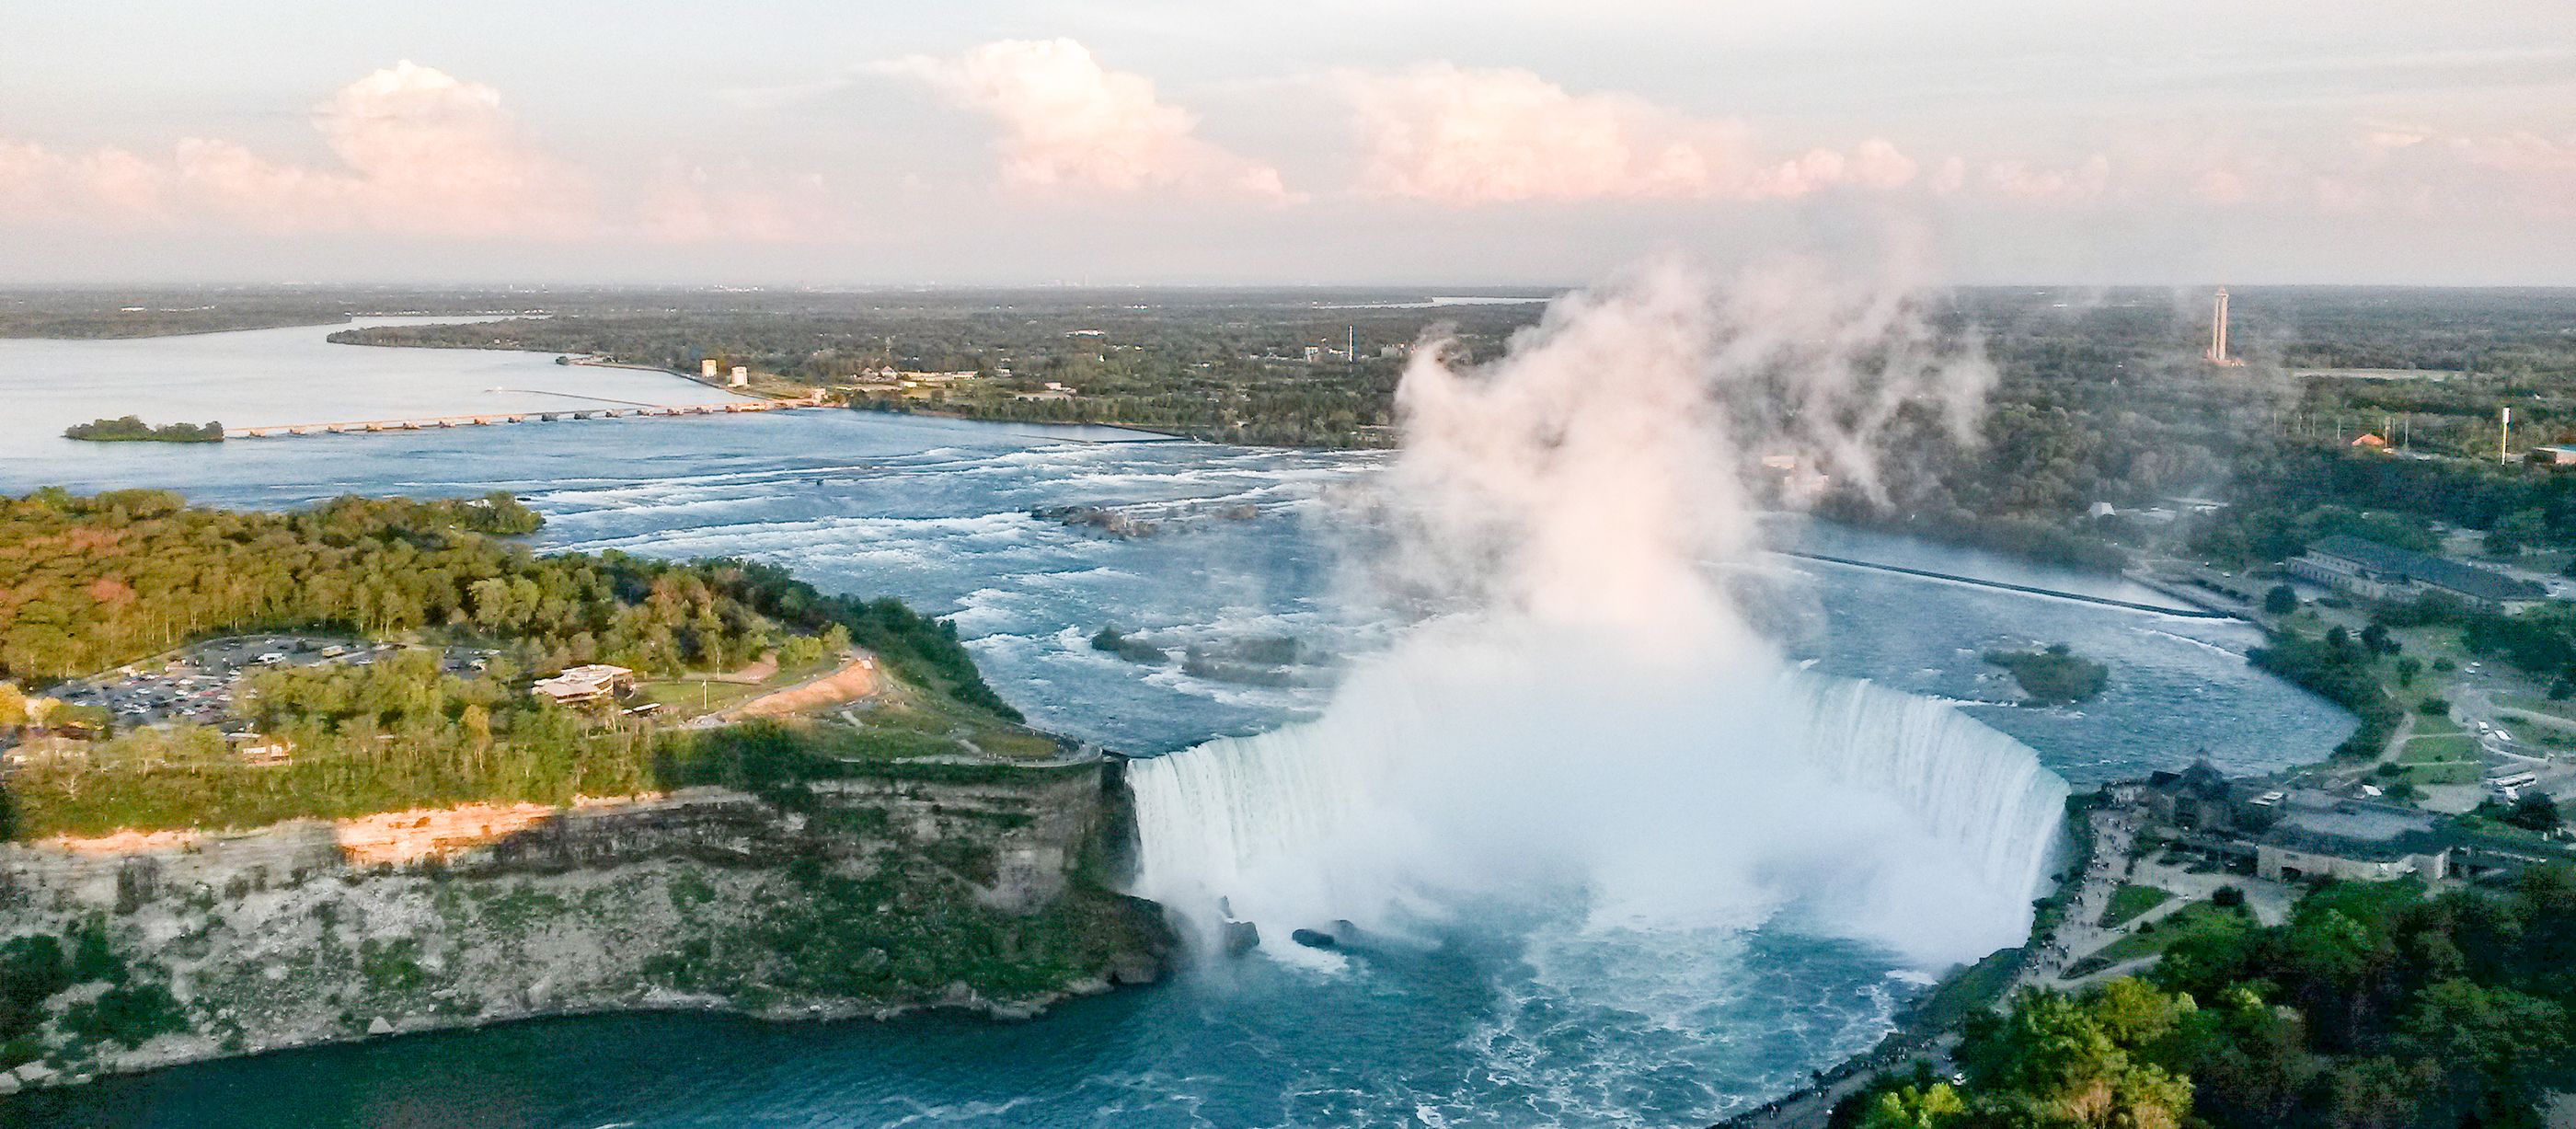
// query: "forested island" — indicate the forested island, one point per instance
point(2054, 675)
point(783, 855)
point(132, 429)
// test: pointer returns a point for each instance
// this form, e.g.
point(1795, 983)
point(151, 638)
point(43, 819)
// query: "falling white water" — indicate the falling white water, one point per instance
point(1450, 774)
point(1582, 717)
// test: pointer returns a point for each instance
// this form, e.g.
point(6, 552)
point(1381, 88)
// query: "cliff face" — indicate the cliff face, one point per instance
point(842, 898)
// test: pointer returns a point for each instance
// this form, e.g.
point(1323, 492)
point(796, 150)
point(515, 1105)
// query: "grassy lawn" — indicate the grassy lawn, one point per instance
point(2446, 747)
point(2129, 901)
point(2434, 725)
point(2442, 772)
point(694, 696)
point(2564, 711)
point(938, 719)
point(686, 696)
point(2190, 920)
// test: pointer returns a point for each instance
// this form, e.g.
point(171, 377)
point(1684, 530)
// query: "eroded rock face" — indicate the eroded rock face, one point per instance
point(823, 905)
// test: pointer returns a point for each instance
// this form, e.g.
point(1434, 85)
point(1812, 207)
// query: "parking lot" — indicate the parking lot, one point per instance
point(200, 684)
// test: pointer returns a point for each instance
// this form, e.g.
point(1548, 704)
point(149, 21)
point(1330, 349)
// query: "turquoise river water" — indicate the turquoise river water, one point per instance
point(1512, 1012)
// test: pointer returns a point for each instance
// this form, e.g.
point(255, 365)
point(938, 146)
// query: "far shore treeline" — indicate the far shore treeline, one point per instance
point(132, 429)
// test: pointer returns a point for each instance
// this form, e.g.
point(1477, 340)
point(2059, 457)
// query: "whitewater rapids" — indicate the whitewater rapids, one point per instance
point(1653, 795)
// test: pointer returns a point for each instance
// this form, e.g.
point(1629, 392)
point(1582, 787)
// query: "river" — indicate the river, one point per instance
point(1513, 1016)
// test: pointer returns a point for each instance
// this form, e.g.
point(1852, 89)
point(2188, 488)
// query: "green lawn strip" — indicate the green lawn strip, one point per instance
point(2443, 772)
point(2434, 725)
point(2156, 936)
point(2539, 704)
point(2446, 747)
point(2129, 901)
point(693, 695)
point(699, 694)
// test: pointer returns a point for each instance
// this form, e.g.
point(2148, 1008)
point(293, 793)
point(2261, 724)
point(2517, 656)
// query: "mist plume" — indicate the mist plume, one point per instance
point(1581, 712)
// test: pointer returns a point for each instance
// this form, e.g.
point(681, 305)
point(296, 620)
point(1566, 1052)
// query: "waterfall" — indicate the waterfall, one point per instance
point(1580, 718)
point(1447, 774)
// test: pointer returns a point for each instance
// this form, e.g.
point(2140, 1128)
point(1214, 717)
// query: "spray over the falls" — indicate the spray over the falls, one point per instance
point(1581, 714)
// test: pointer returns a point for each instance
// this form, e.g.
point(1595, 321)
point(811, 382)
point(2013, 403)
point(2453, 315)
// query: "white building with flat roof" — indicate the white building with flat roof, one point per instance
point(584, 685)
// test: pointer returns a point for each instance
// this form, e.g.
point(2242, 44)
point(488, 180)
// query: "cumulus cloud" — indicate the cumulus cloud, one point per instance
point(1459, 136)
point(417, 152)
point(2024, 180)
point(37, 183)
point(698, 205)
point(2404, 169)
point(1068, 122)
point(420, 152)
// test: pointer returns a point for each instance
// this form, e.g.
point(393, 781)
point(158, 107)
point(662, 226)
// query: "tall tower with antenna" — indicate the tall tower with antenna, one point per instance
point(2217, 354)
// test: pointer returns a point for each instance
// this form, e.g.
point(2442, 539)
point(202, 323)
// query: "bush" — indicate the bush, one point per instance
point(130, 1014)
point(2227, 897)
point(2281, 600)
point(2534, 812)
point(2435, 707)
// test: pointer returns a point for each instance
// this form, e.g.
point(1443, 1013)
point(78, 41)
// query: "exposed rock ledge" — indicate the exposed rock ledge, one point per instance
point(861, 898)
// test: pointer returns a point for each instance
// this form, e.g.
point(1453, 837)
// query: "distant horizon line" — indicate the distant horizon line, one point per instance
point(1534, 290)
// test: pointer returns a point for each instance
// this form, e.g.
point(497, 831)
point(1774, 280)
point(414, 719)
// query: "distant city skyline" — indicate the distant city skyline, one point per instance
point(1160, 142)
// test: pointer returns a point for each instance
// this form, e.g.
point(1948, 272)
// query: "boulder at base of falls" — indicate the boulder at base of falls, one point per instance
point(1313, 939)
point(1240, 937)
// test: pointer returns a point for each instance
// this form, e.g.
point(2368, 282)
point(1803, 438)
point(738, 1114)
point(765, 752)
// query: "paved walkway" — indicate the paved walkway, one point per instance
point(2080, 931)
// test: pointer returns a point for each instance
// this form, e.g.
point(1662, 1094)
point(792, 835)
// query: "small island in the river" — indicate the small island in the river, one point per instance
point(132, 429)
point(2054, 676)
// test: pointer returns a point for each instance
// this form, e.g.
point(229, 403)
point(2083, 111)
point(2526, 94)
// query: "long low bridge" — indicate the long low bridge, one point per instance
point(490, 419)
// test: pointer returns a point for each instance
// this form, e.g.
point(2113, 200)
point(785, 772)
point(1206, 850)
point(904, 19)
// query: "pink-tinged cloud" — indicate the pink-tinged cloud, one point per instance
point(39, 184)
point(2397, 169)
point(419, 152)
point(416, 151)
point(699, 206)
point(1457, 136)
point(2022, 180)
point(1069, 123)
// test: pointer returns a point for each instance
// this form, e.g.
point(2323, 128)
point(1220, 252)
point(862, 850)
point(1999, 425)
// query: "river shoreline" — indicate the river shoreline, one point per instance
point(313, 933)
point(820, 1011)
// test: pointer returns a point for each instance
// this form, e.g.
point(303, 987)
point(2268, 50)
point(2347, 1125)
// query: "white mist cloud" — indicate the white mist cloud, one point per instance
point(1069, 123)
point(1584, 718)
point(1458, 136)
point(1591, 474)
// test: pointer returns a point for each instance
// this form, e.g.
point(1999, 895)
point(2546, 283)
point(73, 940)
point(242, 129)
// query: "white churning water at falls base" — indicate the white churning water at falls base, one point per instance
point(1446, 779)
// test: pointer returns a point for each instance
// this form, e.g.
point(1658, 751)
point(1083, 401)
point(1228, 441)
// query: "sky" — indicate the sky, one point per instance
point(1406, 142)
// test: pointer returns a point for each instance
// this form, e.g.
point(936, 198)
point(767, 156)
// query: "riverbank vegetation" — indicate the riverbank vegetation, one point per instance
point(2102, 399)
point(1230, 366)
point(2053, 675)
point(2373, 1005)
point(2341, 669)
point(132, 429)
point(91, 582)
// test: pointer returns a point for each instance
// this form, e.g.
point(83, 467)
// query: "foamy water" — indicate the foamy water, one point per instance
point(1501, 1009)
